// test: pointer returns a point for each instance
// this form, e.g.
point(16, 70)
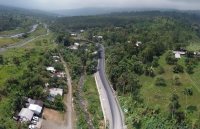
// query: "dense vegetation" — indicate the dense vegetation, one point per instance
point(155, 89)
point(20, 19)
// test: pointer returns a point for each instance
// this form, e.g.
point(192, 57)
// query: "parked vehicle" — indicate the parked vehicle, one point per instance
point(34, 122)
point(35, 118)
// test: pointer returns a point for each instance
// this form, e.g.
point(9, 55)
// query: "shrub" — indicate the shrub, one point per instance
point(160, 81)
point(178, 69)
point(161, 70)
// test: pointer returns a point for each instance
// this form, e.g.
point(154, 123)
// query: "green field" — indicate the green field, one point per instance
point(149, 90)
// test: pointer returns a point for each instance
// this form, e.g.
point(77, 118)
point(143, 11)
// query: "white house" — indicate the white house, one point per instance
point(53, 93)
point(81, 31)
point(35, 108)
point(26, 114)
point(51, 69)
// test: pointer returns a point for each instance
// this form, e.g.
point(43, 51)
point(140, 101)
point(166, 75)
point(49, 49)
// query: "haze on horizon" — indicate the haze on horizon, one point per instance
point(75, 4)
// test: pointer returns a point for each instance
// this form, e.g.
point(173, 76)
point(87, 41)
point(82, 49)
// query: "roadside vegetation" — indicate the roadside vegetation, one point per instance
point(83, 60)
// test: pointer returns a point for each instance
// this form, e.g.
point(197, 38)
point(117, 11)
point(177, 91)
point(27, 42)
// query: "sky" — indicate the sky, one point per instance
point(74, 4)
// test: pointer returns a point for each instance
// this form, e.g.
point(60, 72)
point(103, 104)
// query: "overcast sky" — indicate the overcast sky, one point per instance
point(73, 4)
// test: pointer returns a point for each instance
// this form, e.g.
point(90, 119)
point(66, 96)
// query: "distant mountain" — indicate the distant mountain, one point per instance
point(96, 11)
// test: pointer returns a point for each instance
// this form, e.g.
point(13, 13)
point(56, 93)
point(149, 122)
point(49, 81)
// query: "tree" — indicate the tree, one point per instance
point(160, 70)
point(178, 69)
point(1, 59)
point(188, 91)
point(16, 61)
point(176, 79)
point(160, 81)
point(174, 103)
point(189, 69)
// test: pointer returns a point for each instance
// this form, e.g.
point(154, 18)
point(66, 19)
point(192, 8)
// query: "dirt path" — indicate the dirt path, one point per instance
point(69, 115)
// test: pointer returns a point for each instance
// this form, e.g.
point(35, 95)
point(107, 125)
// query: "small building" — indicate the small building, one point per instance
point(56, 57)
point(26, 114)
point(81, 31)
point(95, 52)
point(32, 101)
point(179, 52)
point(35, 108)
point(76, 44)
point(51, 69)
point(74, 35)
point(177, 56)
point(99, 37)
point(53, 93)
point(138, 43)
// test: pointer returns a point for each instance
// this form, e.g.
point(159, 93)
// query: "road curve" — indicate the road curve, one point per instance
point(117, 116)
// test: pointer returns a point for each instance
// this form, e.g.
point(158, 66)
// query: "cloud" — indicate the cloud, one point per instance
point(72, 4)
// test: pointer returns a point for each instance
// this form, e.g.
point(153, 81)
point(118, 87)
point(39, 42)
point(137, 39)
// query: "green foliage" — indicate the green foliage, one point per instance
point(178, 69)
point(161, 70)
point(24, 125)
point(160, 81)
point(1, 59)
point(170, 59)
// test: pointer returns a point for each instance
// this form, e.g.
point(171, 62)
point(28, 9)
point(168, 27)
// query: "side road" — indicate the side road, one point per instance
point(70, 115)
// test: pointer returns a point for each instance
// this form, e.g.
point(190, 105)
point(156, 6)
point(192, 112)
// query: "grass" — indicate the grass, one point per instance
point(149, 90)
point(193, 46)
point(91, 99)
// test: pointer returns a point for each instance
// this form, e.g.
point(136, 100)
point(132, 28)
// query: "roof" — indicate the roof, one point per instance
point(27, 113)
point(35, 107)
point(55, 91)
point(138, 42)
point(76, 44)
point(32, 101)
point(181, 53)
point(177, 55)
point(50, 69)
point(39, 103)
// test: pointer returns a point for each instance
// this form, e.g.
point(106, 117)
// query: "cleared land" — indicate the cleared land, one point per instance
point(149, 90)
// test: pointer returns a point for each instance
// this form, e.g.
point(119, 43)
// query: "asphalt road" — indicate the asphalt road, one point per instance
point(117, 117)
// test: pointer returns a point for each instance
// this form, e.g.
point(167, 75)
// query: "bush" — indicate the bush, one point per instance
point(161, 70)
point(160, 81)
point(178, 69)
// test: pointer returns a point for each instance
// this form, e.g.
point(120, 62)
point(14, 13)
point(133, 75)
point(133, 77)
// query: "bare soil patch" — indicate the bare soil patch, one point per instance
point(53, 115)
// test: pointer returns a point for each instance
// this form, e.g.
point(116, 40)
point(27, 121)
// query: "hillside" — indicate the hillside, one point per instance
point(155, 89)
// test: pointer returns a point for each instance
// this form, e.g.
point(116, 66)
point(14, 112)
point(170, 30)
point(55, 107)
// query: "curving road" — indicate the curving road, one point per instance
point(117, 116)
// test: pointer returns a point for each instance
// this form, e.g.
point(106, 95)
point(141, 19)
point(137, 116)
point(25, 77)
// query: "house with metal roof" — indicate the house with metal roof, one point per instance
point(35, 108)
point(53, 92)
point(26, 114)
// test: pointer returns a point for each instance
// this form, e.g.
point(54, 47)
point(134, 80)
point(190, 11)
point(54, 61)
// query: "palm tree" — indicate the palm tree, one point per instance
point(187, 91)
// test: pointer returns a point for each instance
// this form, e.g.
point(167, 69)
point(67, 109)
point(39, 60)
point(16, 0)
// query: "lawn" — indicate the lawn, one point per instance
point(149, 90)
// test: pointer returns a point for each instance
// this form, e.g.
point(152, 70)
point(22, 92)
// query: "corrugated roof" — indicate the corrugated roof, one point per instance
point(35, 107)
point(27, 113)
